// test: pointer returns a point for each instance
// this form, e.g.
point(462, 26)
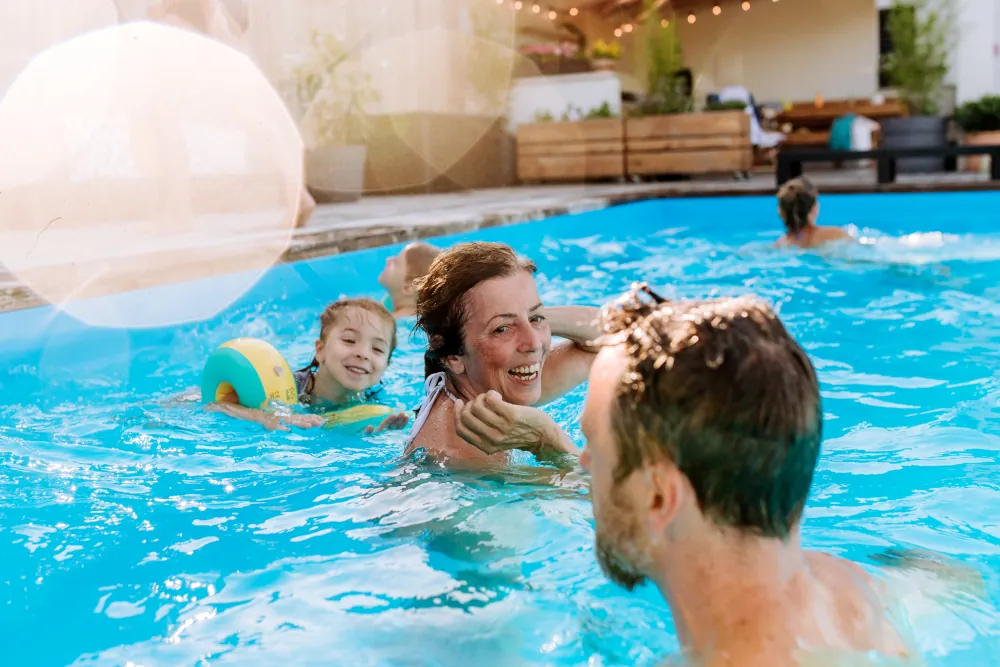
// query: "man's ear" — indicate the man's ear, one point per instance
point(409, 288)
point(666, 489)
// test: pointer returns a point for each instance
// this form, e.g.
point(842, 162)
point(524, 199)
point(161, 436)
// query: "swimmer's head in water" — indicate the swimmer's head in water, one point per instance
point(402, 270)
point(720, 391)
point(798, 204)
point(356, 341)
point(479, 306)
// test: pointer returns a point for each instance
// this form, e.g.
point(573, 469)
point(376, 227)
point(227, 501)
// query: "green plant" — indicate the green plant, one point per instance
point(666, 89)
point(982, 115)
point(543, 117)
point(603, 111)
point(730, 105)
point(606, 50)
point(922, 33)
point(334, 92)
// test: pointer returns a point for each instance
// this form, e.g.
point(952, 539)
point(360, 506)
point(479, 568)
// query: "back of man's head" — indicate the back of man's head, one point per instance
point(721, 390)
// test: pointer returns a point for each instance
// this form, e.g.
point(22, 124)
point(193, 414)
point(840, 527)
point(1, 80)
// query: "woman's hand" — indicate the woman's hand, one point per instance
point(392, 422)
point(491, 425)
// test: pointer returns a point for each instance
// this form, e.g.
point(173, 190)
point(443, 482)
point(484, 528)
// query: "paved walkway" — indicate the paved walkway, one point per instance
point(381, 220)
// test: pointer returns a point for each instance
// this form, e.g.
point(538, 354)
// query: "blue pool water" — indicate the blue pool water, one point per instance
point(135, 528)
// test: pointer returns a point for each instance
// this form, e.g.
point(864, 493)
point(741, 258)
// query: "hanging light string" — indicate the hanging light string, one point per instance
point(553, 13)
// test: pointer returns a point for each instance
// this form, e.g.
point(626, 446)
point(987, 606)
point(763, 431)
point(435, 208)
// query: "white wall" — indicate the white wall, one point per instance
point(786, 51)
point(974, 67)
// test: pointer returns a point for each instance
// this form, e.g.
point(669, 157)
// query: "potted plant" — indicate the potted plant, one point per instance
point(922, 34)
point(605, 55)
point(665, 136)
point(979, 121)
point(334, 93)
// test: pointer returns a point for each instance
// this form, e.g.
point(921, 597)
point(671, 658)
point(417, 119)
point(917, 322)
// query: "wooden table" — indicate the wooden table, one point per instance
point(822, 118)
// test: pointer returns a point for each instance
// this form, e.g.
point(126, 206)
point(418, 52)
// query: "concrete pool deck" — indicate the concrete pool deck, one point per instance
point(381, 220)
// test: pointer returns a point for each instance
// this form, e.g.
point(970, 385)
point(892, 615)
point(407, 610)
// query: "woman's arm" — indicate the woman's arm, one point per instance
point(568, 364)
point(492, 425)
point(579, 324)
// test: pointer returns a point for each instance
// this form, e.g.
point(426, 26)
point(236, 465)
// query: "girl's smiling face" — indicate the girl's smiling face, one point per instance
point(355, 351)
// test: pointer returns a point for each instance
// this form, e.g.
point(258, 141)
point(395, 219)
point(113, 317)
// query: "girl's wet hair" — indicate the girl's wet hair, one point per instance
point(796, 199)
point(330, 316)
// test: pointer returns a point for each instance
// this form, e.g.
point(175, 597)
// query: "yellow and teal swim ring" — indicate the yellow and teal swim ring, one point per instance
point(253, 369)
point(258, 374)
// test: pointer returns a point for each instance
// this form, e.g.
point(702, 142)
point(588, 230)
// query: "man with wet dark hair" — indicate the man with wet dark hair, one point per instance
point(703, 426)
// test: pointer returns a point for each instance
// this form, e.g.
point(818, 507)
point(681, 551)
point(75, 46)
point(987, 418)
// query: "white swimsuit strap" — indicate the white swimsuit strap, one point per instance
point(433, 386)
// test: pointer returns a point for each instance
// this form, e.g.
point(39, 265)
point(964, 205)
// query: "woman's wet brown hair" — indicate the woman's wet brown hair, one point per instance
point(441, 294)
point(796, 199)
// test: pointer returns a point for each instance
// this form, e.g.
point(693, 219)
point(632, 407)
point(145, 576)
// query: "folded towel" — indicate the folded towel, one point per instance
point(840, 133)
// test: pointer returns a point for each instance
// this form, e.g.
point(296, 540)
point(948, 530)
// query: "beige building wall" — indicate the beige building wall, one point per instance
point(418, 53)
point(777, 50)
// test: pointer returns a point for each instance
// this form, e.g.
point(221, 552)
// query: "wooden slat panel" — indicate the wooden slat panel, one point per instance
point(575, 148)
point(569, 168)
point(687, 143)
point(806, 139)
point(711, 123)
point(690, 162)
point(585, 130)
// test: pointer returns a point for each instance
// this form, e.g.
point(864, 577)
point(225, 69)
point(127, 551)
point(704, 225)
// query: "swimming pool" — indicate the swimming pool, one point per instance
point(137, 529)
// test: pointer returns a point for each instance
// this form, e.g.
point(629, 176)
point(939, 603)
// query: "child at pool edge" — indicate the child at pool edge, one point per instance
point(356, 342)
point(401, 271)
point(798, 205)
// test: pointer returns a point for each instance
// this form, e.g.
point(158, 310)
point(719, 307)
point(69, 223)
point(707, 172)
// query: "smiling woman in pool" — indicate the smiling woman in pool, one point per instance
point(490, 357)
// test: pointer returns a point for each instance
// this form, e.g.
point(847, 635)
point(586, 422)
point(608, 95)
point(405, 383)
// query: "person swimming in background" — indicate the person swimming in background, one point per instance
point(798, 205)
point(354, 348)
point(402, 271)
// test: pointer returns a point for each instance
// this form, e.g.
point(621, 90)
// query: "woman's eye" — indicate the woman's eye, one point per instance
point(538, 318)
point(502, 329)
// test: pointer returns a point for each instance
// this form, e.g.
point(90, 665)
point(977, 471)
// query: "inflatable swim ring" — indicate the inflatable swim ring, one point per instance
point(253, 369)
point(357, 413)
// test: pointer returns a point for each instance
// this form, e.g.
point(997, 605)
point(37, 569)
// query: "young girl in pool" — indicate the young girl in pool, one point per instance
point(356, 341)
point(798, 205)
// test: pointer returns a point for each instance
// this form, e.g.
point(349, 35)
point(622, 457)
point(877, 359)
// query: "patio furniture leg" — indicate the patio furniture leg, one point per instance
point(886, 166)
point(994, 165)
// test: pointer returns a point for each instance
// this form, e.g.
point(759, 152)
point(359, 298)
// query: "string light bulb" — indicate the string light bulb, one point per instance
point(552, 14)
point(574, 11)
point(627, 27)
point(499, 2)
point(536, 8)
point(692, 18)
point(518, 4)
point(664, 23)
point(746, 5)
point(618, 32)
point(717, 10)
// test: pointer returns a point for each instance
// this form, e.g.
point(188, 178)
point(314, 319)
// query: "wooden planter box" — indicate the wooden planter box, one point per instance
point(689, 143)
point(578, 151)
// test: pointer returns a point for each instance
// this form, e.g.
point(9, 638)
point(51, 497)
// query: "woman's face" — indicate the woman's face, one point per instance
point(506, 339)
